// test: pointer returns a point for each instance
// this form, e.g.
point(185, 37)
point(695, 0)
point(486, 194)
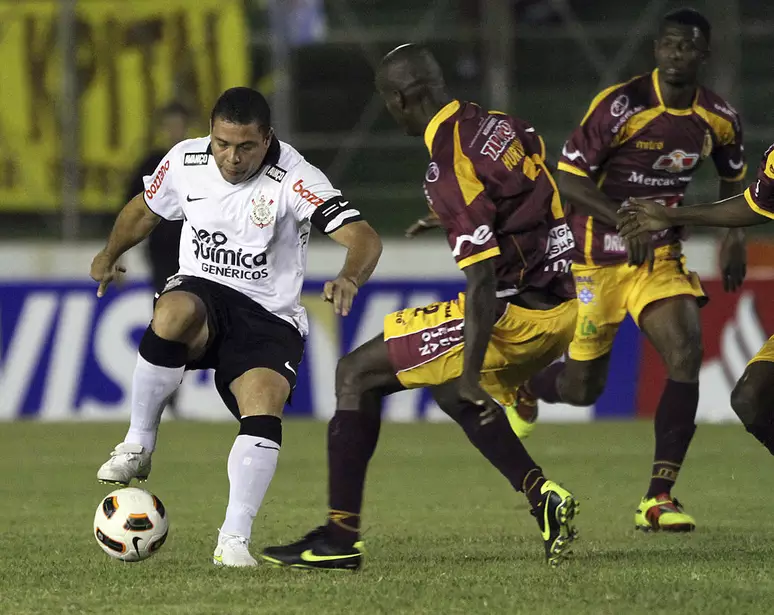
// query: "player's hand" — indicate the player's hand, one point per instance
point(423, 224)
point(472, 392)
point(733, 260)
point(640, 215)
point(640, 250)
point(341, 293)
point(104, 270)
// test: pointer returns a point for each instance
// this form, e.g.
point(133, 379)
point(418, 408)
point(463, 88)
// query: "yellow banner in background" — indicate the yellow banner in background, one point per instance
point(133, 57)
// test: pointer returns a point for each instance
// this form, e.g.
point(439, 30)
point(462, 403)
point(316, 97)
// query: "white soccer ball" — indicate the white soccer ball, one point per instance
point(130, 524)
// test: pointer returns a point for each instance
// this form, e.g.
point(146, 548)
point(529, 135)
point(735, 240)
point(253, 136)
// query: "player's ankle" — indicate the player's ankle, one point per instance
point(343, 528)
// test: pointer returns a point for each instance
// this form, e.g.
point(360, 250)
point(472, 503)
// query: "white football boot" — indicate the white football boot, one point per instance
point(127, 461)
point(232, 551)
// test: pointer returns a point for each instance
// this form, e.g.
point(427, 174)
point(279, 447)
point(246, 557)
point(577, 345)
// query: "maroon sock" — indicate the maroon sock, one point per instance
point(491, 434)
point(352, 438)
point(543, 384)
point(674, 426)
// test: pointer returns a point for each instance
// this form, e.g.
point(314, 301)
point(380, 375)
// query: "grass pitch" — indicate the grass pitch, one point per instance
point(445, 534)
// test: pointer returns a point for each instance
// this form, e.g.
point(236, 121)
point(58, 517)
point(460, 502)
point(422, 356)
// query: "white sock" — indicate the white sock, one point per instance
point(251, 466)
point(151, 386)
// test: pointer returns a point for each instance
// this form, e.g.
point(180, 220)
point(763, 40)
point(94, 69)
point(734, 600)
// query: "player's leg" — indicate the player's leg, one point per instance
point(665, 305)
point(753, 396)
point(553, 506)
point(258, 359)
point(363, 378)
point(260, 395)
point(177, 333)
point(523, 342)
point(581, 379)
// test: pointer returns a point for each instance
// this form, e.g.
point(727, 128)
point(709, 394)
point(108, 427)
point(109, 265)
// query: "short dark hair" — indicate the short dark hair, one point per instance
point(689, 17)
point(242, 106)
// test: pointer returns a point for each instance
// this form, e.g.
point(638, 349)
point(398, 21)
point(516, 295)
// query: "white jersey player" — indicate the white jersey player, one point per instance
point(247, 201)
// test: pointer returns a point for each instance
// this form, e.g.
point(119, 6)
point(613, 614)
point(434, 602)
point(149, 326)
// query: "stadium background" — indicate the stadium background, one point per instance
point(82, 78)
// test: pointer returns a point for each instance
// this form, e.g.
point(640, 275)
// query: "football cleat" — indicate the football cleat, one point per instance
point(127, 461)
point(315, 551)
point(522, 413)
point(662, 513)
point(232, 552)
point(555, 514)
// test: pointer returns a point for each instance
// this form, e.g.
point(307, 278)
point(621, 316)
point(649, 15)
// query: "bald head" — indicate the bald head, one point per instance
point(410, 81)
point(408, 67)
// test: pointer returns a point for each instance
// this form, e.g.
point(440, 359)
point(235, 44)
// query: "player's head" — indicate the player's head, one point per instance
point(682, 46)
point(241, 133)
point(174, 119)
point(411, 83)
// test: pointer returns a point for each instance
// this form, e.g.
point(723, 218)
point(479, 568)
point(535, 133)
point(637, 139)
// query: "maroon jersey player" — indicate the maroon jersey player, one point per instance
point(646, 138)
point(752, 396)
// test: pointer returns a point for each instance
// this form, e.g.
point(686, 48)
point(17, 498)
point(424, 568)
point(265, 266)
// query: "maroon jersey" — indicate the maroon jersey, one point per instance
point(488, 184)
point(760, 196)
point(631, 145)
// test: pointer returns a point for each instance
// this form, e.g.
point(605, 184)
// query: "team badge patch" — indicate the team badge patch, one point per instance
point(196, 159)
point(261, 215)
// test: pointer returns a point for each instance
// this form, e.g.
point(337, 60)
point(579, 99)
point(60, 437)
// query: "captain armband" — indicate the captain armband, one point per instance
point(333, 214)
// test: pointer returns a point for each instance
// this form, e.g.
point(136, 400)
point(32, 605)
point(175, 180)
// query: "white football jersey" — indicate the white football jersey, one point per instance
point(251, 236)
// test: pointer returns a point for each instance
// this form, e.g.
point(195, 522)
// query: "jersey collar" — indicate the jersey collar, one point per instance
point(657, 89)
point(439, 118)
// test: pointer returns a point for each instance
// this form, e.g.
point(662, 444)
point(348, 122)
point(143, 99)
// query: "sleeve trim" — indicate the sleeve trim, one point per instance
point(153, 211)
point(477, 258)
point(568, 168)
point(754, 206)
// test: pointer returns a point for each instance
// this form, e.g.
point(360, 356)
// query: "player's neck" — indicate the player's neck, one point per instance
point(677, 96)
point(431, 105)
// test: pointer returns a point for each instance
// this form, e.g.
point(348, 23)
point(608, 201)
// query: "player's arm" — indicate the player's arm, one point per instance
point(584, 193)
point(480, 317)
point(641, 215)
point(160, 199)
point(343, 223)
point(133, 224)
point(729, 159)
point(733, 248)
point(468, 216)
point(364, 247)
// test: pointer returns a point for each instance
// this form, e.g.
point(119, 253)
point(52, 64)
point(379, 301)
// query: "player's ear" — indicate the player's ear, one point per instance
point(269, 135)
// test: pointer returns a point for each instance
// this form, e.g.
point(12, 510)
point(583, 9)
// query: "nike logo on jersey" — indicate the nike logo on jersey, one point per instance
point(287, 364)
point(198, 198)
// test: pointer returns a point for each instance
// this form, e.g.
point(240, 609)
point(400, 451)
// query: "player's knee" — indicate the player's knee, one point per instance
point(683, 360)
point(179, 316)
point(746, 401)
point(349, 375)
point(583, 389)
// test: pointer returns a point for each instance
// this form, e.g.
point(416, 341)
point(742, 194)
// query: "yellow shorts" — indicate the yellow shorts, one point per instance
point(606, 293)
point(425, 344)
point(766, 353)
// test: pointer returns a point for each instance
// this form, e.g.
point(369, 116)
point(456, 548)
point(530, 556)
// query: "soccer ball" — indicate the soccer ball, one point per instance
point(130, 524)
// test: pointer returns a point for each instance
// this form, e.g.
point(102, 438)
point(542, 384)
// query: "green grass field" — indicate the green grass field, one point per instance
point(445, 534)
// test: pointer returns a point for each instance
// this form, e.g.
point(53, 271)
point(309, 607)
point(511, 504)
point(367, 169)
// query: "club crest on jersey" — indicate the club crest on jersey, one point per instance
point(276, 173)
point(197, 159)
point(677, 161)
point(261, 214)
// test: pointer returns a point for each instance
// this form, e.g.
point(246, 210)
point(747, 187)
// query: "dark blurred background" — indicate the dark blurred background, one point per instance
point(84, 82)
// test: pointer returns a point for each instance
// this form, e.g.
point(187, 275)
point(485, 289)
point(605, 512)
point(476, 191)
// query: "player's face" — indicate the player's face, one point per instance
point(239, 149)
point(680, 52)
